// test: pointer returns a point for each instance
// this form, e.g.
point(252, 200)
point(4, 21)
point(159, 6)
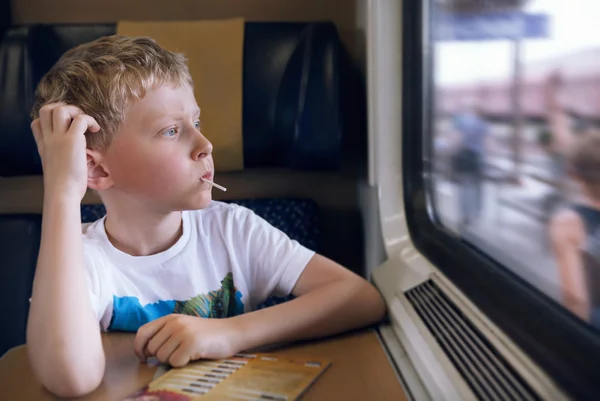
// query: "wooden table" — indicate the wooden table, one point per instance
point(360, 370)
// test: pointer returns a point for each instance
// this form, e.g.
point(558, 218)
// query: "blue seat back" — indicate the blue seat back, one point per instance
point(19, 246)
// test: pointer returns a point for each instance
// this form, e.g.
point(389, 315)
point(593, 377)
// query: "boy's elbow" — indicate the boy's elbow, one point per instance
point(379, 306)
point(73, 387)
point(374, 304)
point(72, 380)
point(74, 384)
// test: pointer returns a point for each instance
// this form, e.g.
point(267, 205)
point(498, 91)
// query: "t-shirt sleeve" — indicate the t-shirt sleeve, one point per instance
point(275, 261)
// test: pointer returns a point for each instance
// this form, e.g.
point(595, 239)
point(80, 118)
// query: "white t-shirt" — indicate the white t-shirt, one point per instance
point(227, 261)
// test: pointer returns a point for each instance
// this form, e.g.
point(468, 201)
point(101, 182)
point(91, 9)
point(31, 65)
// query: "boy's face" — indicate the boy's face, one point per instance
point(159, 154)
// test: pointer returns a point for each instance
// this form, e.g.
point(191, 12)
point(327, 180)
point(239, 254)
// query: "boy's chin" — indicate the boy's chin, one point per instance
point(199, 202)
point(190, 202)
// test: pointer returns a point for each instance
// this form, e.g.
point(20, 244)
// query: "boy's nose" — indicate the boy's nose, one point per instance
point(202, 149)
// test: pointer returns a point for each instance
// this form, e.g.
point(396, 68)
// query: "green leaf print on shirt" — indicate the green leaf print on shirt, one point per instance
point(221, 303)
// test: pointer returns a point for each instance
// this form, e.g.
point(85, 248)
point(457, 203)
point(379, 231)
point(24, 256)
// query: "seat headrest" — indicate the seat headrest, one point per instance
point(18, 152)
point(291, 85)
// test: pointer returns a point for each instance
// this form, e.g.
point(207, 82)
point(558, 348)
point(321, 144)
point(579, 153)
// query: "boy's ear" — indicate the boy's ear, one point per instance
point(98, 175)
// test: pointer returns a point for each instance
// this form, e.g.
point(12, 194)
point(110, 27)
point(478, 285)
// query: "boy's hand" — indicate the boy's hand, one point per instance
point(178, 339)
point(59, 135)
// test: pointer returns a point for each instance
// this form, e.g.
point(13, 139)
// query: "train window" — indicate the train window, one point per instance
point(516, 142)
point(503, 184)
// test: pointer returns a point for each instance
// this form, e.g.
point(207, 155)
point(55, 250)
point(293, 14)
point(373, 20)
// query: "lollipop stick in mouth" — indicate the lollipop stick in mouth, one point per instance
point(213, 184)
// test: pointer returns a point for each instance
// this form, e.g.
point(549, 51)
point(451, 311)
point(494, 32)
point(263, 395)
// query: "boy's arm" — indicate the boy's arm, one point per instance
point(330, 299)
point(63, 336)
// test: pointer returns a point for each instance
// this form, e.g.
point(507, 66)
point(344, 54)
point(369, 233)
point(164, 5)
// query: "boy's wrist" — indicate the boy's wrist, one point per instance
point(61, 206)
point(240, 333)
point(60, 197)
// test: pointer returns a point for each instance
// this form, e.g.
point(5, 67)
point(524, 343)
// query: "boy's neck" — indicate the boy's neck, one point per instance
point(142, 233)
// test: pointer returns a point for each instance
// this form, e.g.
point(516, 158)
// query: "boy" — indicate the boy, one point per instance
point(118, 115)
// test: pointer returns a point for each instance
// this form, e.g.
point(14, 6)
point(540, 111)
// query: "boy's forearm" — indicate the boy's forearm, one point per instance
point(331, 309)
point(63, 335)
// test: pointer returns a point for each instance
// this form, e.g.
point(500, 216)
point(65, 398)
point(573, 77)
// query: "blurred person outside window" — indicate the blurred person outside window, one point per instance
point(468, 161)
point(575, 231)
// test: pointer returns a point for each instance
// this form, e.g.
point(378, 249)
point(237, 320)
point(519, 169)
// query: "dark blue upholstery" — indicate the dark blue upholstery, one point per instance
point(291, 85)
point(291, 101)
point(298, 218)
point(19, 246)
point(18, 153)
point(5, 14)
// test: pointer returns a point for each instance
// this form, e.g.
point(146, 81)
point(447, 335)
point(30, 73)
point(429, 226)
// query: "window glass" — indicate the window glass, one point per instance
point(515, 139)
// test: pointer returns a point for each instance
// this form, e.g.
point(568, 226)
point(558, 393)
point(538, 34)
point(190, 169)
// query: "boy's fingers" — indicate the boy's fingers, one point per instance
point(81, 123)
point(165, 352)
point(36, 128)
point(46, 116)
point(180, 357)
point(157, 341)
point(62, 117)
point(144, 334)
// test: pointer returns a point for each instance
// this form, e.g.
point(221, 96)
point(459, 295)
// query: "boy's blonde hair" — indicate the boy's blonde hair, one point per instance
point(103, 77)
point(584, 161)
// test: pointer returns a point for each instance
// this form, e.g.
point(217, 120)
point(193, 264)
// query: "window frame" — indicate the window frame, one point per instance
point(566, 348)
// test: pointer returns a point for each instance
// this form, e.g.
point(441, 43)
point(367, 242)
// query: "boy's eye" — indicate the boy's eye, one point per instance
point(197, 124)
point(171, 131)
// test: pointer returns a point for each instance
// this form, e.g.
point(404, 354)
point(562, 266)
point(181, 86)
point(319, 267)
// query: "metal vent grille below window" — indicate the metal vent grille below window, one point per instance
point(487, 373)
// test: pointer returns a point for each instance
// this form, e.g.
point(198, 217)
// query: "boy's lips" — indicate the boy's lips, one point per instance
point(208, 175)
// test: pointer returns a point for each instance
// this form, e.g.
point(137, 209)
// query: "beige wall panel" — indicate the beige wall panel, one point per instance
point(341, 12)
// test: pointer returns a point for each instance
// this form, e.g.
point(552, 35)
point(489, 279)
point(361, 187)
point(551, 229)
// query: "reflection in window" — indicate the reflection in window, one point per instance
point(516, 139)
